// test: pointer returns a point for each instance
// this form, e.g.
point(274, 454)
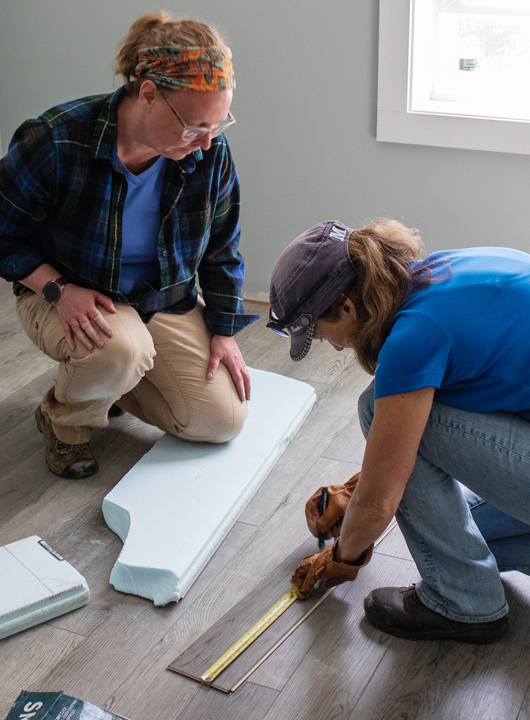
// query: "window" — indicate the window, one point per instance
point(455, 73)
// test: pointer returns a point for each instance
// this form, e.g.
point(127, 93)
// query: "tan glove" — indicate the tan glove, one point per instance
point(322, 565)
point(331, 521)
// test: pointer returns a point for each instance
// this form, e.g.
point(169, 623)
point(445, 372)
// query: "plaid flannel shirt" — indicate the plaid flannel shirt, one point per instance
point(61, 202)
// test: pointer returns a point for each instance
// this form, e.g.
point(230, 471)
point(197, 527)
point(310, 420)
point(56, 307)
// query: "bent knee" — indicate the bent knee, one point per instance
point(125, 357)
point(235, 420)
point(130, 355)
point(223, 422)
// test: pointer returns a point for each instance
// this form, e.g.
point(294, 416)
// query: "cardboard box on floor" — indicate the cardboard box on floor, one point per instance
point(56, 706)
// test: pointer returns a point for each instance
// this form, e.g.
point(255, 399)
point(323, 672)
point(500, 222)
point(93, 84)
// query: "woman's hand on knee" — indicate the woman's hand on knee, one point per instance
point(81, 318)
point(225, 350)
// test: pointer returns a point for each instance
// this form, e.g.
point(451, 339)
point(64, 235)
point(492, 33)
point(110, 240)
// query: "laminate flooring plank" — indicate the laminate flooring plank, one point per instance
point(11, 333)
point(394, 545)
point(19, 443)
point(259, 353)
point(21, 368)
point(345, 600)
point(19, 405)
point(259, 349)
point(293, 481)
point(524, 711)
point(197, 658)
point(7, 300)
point(327, 682)
point(349, 443)
point(20, 360)
point(20, 493)
point(251, 702)
point(324, 364)
point(27, 657)
point(30, 482)
point(282, 532)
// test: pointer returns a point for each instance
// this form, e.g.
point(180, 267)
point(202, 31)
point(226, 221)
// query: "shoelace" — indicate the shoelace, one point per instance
point(65, 449)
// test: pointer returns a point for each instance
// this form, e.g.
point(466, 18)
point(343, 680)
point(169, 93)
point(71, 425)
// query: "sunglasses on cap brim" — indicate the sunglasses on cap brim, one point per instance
point(278, 325)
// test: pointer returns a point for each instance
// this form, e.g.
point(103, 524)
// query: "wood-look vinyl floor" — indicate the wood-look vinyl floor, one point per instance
point(114, 651)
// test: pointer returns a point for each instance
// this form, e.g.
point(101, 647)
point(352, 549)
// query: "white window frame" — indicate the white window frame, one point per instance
point(396, 124)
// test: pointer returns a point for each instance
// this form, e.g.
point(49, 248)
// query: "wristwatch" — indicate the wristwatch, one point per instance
point(53, 290)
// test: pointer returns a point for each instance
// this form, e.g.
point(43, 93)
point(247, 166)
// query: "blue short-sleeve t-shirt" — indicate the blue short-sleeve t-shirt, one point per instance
point(467, 334)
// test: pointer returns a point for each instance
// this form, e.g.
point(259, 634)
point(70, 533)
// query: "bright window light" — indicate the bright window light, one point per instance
point(471, 58)
point(455, 73)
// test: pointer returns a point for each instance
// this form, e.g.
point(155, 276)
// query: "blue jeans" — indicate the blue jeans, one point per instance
point(455, 543)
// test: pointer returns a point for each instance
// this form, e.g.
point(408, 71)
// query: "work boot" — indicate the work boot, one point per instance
point(65, 460)
point(400, 612)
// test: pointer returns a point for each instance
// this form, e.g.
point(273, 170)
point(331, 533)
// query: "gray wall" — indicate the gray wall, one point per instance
point(304, 143)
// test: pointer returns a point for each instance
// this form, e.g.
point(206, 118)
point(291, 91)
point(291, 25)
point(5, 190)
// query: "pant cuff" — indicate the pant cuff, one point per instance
point(71, 435)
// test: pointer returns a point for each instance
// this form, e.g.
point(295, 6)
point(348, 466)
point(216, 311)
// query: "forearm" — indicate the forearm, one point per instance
point(361, 527)
point(389, 459)
point(38, 278)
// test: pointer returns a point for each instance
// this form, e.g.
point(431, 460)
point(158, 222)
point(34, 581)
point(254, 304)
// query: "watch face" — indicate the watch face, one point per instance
point(51, 292)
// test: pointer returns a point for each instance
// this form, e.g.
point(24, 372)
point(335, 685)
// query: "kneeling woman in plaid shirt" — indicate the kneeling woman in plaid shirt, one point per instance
point(110, 206)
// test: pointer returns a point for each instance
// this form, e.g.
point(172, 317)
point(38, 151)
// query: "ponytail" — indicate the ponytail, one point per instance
point(386, 254)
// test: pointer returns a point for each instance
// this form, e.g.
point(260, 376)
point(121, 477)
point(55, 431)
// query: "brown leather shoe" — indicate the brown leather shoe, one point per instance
point(400, 612)
point(65, 460)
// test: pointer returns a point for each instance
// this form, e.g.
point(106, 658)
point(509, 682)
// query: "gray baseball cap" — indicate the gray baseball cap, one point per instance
point(311, 273)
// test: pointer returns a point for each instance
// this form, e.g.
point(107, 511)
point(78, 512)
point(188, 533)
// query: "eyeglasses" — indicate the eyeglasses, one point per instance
point(278, 324)
point(192, 132)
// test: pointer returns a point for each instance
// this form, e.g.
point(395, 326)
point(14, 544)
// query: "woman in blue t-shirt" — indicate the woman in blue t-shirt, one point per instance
point(447, 341)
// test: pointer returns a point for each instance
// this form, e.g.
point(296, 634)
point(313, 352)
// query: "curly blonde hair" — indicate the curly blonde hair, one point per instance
point(159, 29)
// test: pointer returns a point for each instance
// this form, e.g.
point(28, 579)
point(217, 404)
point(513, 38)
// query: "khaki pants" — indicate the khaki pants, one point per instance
point(156, 371)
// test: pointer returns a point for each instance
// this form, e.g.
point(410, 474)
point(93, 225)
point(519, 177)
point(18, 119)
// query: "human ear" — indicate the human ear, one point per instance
point(148, 92)
point(347, 309)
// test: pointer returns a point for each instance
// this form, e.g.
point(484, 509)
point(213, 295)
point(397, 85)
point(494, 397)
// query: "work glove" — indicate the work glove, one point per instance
point(331, 520)
point(322, 565)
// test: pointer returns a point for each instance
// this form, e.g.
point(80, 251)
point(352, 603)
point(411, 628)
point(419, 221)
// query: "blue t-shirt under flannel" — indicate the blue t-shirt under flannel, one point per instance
point(467, 335)
point(140, 226)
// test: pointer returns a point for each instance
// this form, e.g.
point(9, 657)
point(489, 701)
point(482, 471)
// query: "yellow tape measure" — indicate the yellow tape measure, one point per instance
point(248, 638)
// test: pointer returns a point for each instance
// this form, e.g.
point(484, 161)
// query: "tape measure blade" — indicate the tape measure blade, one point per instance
point(272, 614)
point(266, 620)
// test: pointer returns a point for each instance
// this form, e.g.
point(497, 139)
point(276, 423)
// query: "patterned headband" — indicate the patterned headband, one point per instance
point(188, 68)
